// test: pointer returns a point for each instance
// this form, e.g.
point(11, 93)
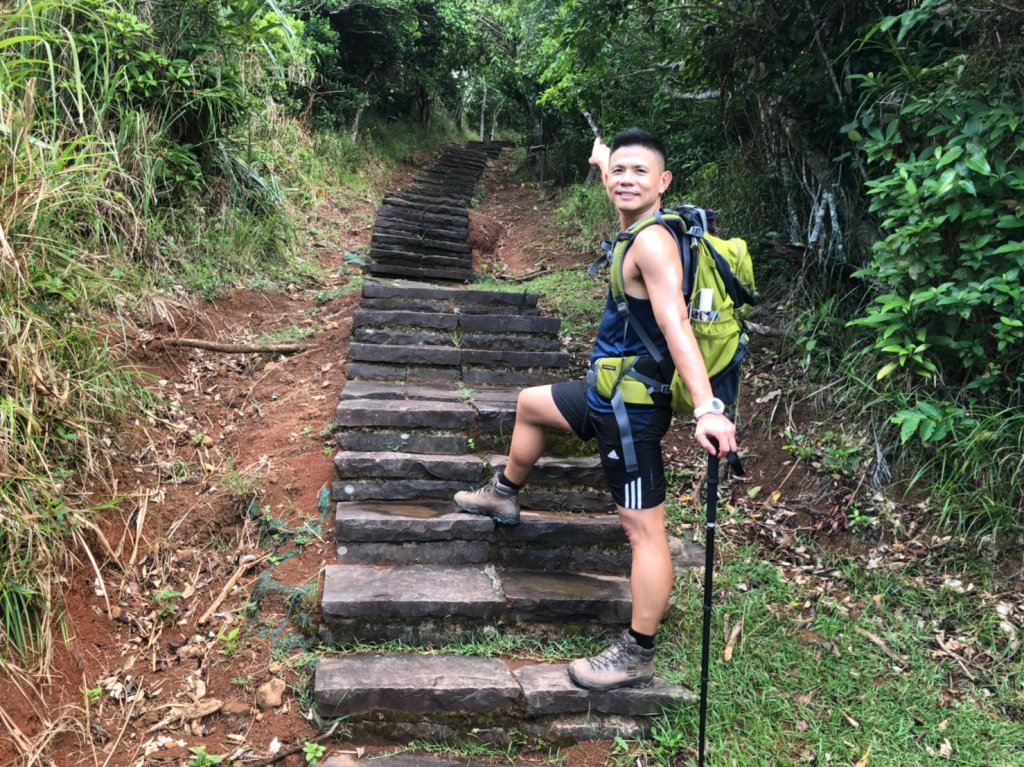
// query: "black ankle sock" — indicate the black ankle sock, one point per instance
point(646, 641)
point(507, 482)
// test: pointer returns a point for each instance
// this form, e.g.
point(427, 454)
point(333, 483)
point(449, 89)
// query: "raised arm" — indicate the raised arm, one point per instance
point(599, 156)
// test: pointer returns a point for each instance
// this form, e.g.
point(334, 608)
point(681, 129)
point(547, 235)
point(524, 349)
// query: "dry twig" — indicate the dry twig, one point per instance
point(216, 346)
point(880, 643)
point(241, 570)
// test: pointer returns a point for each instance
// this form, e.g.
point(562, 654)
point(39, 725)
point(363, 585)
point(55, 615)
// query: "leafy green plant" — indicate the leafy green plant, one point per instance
point(943, 179)
point(313, 753)
point(166, 601)
point(202, 759)
point(230, 641)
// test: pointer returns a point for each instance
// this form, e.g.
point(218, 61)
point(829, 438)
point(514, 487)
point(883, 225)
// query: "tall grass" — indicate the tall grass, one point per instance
point(63, 226)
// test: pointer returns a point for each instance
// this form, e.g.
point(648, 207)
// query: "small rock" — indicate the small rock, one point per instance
point(235, 707)
point(185, 555)
point(270, 694)
point(275, 667)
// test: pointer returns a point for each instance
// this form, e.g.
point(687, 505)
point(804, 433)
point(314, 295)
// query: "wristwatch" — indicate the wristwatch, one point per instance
point(713, 405)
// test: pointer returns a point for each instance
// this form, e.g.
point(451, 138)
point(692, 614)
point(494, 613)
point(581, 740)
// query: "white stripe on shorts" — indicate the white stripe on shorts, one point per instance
point(634, 494)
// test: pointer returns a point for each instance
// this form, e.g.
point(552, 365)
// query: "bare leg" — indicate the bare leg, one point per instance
point(650, 579)
point(535, 413)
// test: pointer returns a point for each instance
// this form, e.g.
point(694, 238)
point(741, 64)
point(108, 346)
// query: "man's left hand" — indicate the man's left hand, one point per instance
point(721, 429)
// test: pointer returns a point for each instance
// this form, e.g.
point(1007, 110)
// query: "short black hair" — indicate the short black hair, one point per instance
point(640, 137)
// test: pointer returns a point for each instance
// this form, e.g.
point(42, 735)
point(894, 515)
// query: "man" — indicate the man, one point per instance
point(635, 178)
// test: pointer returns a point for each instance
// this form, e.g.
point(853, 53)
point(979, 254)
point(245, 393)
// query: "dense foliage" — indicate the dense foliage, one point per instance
point(150, 144)
point(885, 139)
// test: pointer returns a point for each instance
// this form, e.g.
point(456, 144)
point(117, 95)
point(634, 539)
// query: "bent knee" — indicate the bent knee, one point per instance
point(535, 404)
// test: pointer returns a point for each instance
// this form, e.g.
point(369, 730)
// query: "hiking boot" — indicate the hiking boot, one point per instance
point(623, 664)
point(493, 500)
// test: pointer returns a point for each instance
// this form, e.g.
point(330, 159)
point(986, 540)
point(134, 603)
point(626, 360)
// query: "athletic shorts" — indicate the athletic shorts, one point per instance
point(645, 488)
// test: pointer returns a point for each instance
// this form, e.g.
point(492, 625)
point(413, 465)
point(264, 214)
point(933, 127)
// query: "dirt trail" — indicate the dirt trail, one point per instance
point(223, 484)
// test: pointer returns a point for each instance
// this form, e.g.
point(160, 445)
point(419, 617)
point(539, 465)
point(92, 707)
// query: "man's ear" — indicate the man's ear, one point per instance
point(666, 179)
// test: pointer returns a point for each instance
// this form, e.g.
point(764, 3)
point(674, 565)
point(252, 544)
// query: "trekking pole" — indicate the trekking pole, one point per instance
point(736, 467)
point(593, 125)
point(709, 564)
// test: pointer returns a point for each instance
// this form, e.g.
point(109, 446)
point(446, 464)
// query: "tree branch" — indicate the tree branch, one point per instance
point(216, 346)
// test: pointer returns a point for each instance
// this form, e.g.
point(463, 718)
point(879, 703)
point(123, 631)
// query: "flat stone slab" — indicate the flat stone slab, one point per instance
point(550, 597)
point(371, 685)
point(409, 414)
point(413, 591)
point(551, 528)
point(535, 323)
point(512, 358)
point(559, 471)
point(547, 689)
point(373, 390)
point(412, 441)
point(426, 355)
point(414, 553)
point(388, 465)
point(398, 318)
point(382, 371)
point(404, 289)
point(402, 522)
point(395, 489)
point(455, 275)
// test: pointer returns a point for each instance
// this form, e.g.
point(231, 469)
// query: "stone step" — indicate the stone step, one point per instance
point(399, 243)
point(352, 465)
point(375, 371)
point(408, 441)
point(414, 202)
point(447, 190)
point(569, 485)
point(443, 202)
point(399, 336)
point(468, 376)
point(405, 414)
point(411, 533)
point(422, 273)
point(400, 228)
point(402, 697)
point(456, 298)
point(453, 356)
point(477, 324)
point(389, 211)
point(436, 604)
point(386, 256)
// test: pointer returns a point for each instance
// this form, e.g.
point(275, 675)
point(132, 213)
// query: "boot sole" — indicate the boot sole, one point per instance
point(604, 688)
point(501, 520)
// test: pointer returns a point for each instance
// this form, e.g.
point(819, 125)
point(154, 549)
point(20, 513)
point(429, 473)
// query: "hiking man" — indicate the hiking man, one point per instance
point(635, 178)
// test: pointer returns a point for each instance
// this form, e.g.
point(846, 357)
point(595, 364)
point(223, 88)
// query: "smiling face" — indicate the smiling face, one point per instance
point(635, 181)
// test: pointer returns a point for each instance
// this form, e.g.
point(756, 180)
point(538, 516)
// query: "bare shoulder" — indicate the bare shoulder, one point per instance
point(653, 246)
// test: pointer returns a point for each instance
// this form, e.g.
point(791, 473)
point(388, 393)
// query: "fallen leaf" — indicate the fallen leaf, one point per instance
point(946, 749)
point(864, 759)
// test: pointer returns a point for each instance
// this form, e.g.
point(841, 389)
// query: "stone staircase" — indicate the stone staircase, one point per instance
point(430, 405)
point(420, 232)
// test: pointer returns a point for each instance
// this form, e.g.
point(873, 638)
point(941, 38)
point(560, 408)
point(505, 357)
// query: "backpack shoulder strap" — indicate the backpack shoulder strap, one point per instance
point(671, 221)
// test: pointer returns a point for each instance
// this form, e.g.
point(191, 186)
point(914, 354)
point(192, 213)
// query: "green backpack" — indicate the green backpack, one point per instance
point(718, 283)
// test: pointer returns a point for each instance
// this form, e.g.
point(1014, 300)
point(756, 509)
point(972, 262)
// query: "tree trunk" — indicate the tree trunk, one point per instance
point(483, 111)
